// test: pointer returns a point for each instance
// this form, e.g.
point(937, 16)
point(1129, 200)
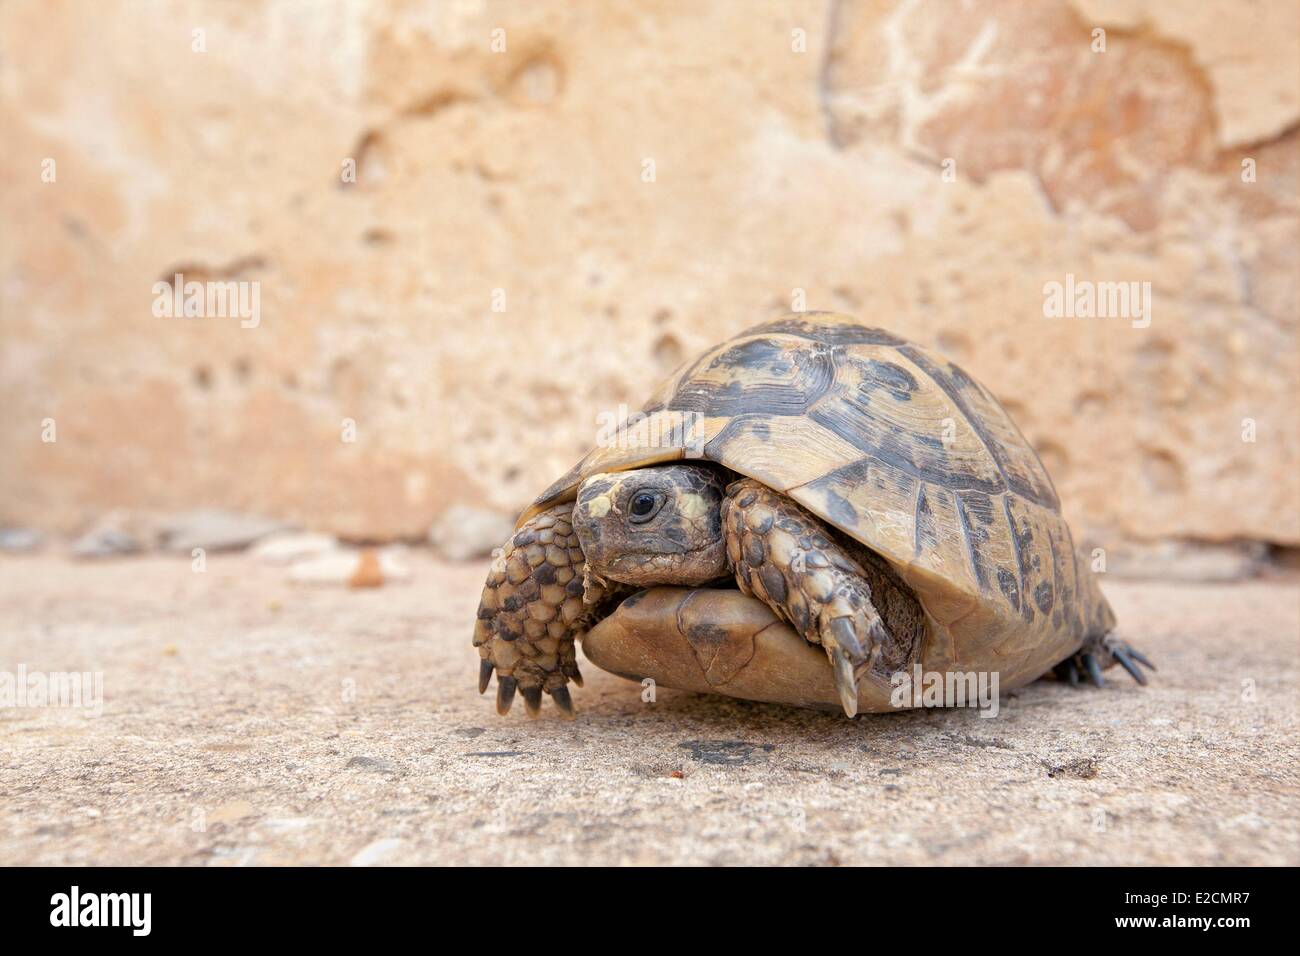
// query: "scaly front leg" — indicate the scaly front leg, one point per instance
point(531, 612)
point(784, 556)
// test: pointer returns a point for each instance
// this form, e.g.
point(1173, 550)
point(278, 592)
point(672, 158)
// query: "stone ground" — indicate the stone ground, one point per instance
point(249, 721)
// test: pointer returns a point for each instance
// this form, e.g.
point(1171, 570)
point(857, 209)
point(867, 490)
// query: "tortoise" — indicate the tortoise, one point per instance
point(799, 515)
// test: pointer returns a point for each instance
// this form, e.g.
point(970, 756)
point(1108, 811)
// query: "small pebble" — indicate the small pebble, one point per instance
point(366, 568)
point(20, 540)
point(465, 533)
point(104, 544)
point(215, 530)
point(292, 546)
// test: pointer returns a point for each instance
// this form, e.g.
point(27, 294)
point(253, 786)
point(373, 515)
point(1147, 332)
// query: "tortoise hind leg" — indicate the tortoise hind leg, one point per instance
point(1100, 653)
point(787, 558)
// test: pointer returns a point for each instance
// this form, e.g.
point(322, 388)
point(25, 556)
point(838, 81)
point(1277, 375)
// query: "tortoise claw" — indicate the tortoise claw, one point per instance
point(532, 700)
point(845, 682)
point(846, 637)
point(1129, 658)
point(1129, 665)
point(1138, 656)
point(505, 694)
point(532, 694)
point(1093, 667)
point(563, 702)
point(1099, 653)
point(485, 668)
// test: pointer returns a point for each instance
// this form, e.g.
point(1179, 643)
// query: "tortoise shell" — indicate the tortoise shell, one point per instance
point(904, 452)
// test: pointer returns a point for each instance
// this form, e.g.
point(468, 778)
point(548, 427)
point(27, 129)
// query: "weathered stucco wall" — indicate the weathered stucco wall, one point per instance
point(928, 167)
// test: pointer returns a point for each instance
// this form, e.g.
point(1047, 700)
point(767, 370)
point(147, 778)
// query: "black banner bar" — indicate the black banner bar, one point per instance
point(302, 905)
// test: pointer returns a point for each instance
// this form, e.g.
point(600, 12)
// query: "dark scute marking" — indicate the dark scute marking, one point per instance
point(753, 353)
point(510, 604)
point(848, 419)
point(1010, 587)
point(830, 334)
point(773, 583)
point(1020, 543)
point(1062, 592)
point(764, 524)
point(841, 512)
point(544, 573)
point(524, 538)
point(1066, 578)
point(753, 551)
point(923, 520)
point(856, 474)
point(740, 427)
point(898, 381)
point(980, 510)
point(809, 375)
point(850, 476)
point(1043, 598)
point(575, 587)
point(726, 753)
point(955, 382)
point(975, 512)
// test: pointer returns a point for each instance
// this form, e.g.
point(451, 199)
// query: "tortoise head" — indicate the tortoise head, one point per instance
point(660, 525)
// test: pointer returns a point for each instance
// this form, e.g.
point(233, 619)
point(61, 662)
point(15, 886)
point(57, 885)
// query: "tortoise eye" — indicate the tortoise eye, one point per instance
point(644, 506)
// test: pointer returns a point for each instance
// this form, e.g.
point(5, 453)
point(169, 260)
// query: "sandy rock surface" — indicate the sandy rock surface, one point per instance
point(248, 721)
